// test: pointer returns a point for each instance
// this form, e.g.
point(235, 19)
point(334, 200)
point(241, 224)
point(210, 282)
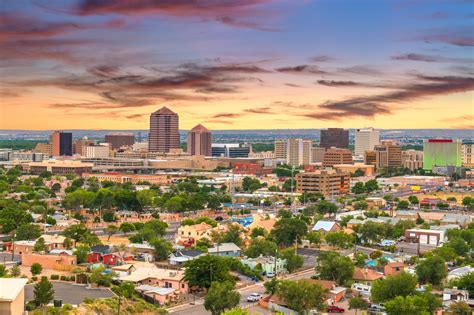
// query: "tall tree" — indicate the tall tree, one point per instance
point(206, 269)
point(287, 231)
point(220, 297)
point(332, 266)
point(301, 296)
point(402, 284)
point(43, 292)
point(431, 270)
point(358, 303)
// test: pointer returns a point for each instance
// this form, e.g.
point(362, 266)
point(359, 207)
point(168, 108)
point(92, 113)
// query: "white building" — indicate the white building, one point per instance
point(97, 151)
point(365, 140)
point(299, 152)
point(467, 151)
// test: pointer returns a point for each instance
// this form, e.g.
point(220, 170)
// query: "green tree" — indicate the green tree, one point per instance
point(358, 303)
point(236, 311)
point(332, 266)
point(271, 286)
point(250, 184)
point(81, 253)
point(465, 282)
point(361, 205)
point(325, 207)
point(162, 247)
point(220, 297)
point(111, 230)
point(36, 269)
point(413, 305)
point(28, 232)
point(260, 246)
point(459, 245)
point(460, 308)
point(293, 260)
point(402, 284)
point(3, 271)
point(77, 232)
point(258, 231)
point(372, 232)
point(127, 227)
point(301, 296)
point(402, 204)
point(109, 216)
point(204, 270)
point(339, 239)
point(40, 245)
point(413, 200)
point(126, 289)
point(43, 292)
point(358, 188)
point(360, 258)
point(446, 252)
point(287, 231)
point(15, 271)
point(371, 185)
point(431, 270)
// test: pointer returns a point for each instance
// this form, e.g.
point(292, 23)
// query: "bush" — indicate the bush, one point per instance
point(64, 278)
point(34, 278)
point(54, 277)
point(72, 278)
point(30, 306)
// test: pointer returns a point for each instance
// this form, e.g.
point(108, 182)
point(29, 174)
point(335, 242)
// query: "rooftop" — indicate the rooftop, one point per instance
point(366, 274)
point(224, 247)
point(165, 111)
point(10, 288)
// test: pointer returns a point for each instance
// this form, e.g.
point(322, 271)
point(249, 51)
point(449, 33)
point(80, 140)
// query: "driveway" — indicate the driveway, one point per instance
point(71, 293)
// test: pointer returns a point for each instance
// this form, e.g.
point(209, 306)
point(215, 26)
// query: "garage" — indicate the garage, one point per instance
point(433, 240)
point(423, 239)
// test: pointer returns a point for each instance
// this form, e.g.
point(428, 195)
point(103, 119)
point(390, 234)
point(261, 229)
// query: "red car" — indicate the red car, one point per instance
point(335, 309)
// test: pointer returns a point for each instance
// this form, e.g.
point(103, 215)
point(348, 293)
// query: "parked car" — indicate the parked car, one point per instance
point(377, 308)
point(254, 297)
point(385, 243)
point(335, 309)
point(270, 274)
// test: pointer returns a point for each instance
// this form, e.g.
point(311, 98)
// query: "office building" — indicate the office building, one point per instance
point(441, 153)
point(334, 137)
point(199, 141)
point(412, 159)
point(61, 143)
point(231, 150)
point(365, 140)
point(468, 153)
point(60, 167)
point(334, 156)
point(369, 170)
point(164, 131)
point(299, 152)
point(370, 158)
point(118, 140)
point(97, 151)
point(280, 149)
point(80, 144)
point(388, 154)
point(317, 154)
point(327, 182)
point(26, 156)
point(45, 148)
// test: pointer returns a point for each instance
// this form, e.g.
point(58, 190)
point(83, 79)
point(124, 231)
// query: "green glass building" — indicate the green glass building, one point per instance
point(441, 153)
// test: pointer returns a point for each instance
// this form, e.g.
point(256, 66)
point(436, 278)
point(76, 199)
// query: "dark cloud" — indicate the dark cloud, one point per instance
point(460, 36)
point(340, 83)
point(360, 70)
point(227, 115)
point(301, 69)
point(322, 58)
point(293, 85)
point(220, 121)
point(428, 58)
point(136, 116)
point(260, 110)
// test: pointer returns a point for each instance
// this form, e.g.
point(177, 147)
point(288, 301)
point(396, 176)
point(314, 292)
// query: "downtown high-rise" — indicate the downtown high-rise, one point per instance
point(334, 137)
point(365, 140)
point(164, 131)
point(61, 143)
point(199, 141)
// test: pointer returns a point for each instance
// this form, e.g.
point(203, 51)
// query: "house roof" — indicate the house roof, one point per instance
point(395, 264)
point(459, 272)
point(141, 246)
point(55, 239)
point(324, 225)
point(157, 290)
point(61, 251)
point(366, 274)
point(125, 267)
point(103, 249)
point(154, 272)
point(188, 253)
point(325, 284)
point(224, 247)
point(198, 227)
point(431, 215)
point(10, 288)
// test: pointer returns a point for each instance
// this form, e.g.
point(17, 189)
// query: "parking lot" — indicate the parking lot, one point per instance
point(71, 293)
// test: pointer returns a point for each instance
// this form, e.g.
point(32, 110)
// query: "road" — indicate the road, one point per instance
point(198, 308)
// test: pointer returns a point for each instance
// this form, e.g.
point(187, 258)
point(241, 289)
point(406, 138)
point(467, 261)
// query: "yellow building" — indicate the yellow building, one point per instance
point(12, 296)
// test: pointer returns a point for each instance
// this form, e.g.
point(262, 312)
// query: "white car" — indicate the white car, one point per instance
point(254, 297)
point(270, 275)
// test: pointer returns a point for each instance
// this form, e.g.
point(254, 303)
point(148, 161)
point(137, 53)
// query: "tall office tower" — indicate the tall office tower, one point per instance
point(280, 149)
point(365, 140)
point(441, 153)
point(388, 154)
point(412, 159)
point(199, 141)
point(317, 154)
point(299, 152)
point(334, 156)
point(468, 153)
point(61, 143)
point(334, 137)
point(164, 131)
point(117, 140)
point(80, 144)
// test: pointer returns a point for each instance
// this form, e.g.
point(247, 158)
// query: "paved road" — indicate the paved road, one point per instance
point(198, 308)
point(7, 257)
point(70, 293)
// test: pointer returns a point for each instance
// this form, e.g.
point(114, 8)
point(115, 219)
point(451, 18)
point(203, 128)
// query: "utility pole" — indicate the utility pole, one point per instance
point(275, 267)
point(291, 182)
point(119, 300)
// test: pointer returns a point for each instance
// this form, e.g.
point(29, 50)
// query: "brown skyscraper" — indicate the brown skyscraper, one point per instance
point(199, 141)
point(61, 143)
point(164, 131)
point(334, 137)
point(118, 140)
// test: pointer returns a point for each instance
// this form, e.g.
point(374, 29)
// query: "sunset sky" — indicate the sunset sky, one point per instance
point(242, 64)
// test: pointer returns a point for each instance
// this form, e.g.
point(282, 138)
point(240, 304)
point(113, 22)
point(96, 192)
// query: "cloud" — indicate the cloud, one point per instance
point(236, 13)
point(227, 115)
point(322, 58)
point(460, 122)
point(136, 116)
point(293, 85)
point(301, 69)
point(220, 121)
point(428, 58)
point(458, 36)
point(360, 70)
point(341, 83)
point(260, 110)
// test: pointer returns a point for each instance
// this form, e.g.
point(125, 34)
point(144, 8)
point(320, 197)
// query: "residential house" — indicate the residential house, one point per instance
point(326, 226)
point(363, 278)
point(225, 249)
point(334, 293)
point(190, 234)
point(158, 295)
point(267, 263)
point(458, 219)
point(181, 256)
point(459, 272)
point(452, 295)
point(262, 221)
point(393, 268)
point(23, 247)
point(159, 277)
point(12, 296)
point(407, 215)
point(97, 252)
point(56, 241)
point(145, 251)
point(353, 223)
point(62, 261)
point(124, 270)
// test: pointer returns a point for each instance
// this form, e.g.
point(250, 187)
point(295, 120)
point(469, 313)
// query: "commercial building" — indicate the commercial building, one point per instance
point(299, 152)
point(412, 159)
point(121, 178)
point(468, 153)
point(326, 182)
point(412, 180)
point(388, 154)
point(61, 143)
point(60, 167)
point(280, 149)
point(12, 296)
point(425, 237)
point(231, 150)
point(334, 156)
point(441, 153)
point(164, 131)
point(97, 151)
point(118, 140)
point(26, 156)
point(199, 141)
point(370, 158)
point(368, 170)
point(334, 137)
point(45, 148)
point(251, 169)
point(317, 154)
point(365, 140)
point(80, 144)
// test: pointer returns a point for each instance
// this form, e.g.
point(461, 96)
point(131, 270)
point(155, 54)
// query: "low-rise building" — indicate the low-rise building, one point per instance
point(267, 263)
point(225, 249)
point(122, 178)
point(326, 182)
point(182, 256)
point(326, 226)
point(393, 268)
point(425, 237)
point(12, 296)
point(63, 261)
point(158, 277)
point(363, 278)
point(60, 167)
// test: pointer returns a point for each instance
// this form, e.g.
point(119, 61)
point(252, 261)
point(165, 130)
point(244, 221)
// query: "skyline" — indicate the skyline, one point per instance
point(239, 64)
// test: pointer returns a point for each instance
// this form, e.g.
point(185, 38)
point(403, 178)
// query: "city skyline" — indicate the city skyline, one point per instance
point(244, 64)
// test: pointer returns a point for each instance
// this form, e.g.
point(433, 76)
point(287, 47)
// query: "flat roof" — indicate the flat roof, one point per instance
point(11, 287)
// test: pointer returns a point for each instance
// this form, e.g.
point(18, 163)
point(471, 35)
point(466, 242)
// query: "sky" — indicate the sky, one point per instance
point(240, 64)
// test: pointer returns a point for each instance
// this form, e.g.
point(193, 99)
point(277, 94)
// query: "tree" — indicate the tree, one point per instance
point(465, 282)
point(77, 232)
point(289, 184)
point(287, 231)
point(332, 266)
point(371, 185)
point(358, 303)
point(258, 231)
point(301, 296)
point(36, 269)
point(109, 216)
point(413, 305)
point(372, 232)
point(413, 200)
point(126, 289)
point(162, 247)
point(204, 242)
point(250, 184)
point(293, 260)
point(81, 253)
point(204, 270)
point(15, 271)
point(43, 292)
point(127, 227)
point(325, 207)
point(315, 237)
point(40, 245)
point(459, 245)
point(360, 259)
point(261, 246)
point(147, 197)
point(460, 308)
point(28, 232)
point(358, 188)
point(339, 239)
point(3, 271)
point(220, 297)
point(111, 230)
point(361, 205)
point(402, 204)
point(431, 270)
point(446, 252)
point(271, 286)
point(402, 284)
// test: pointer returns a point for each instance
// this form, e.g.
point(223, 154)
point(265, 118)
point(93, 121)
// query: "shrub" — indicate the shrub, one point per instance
point(54, 277)
point(34, 278)
point(30, 306)
point(64, 278)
